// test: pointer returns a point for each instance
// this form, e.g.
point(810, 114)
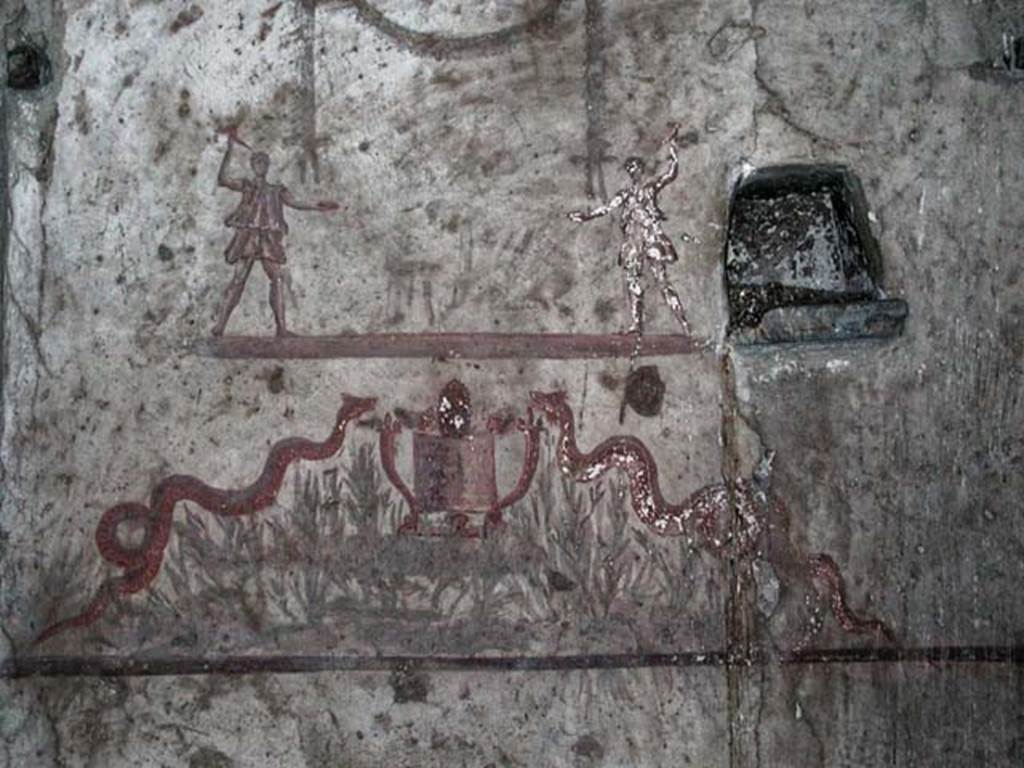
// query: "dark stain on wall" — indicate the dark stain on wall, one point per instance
point(186, 18)
point(645, 390)
point(409, 684)
point(28, 68)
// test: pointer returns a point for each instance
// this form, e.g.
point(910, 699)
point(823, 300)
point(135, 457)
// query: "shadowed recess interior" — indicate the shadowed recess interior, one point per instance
point(801, 263)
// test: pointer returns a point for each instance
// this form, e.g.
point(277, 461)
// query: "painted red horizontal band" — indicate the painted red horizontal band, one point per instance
point(475, 346)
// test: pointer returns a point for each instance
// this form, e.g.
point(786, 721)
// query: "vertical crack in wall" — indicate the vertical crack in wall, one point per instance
point(308, 97)
point(775, 101)
point(594, 97)
point(41, 25)
point(755, 109)
point(737, 640)
point(44, 174)
point(4, 244)
point(740, 626)
point(28, 126)
point(5, 222)
point(739, 433)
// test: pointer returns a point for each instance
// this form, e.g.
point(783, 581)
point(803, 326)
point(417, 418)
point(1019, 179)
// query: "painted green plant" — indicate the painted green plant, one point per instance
point(571, 560)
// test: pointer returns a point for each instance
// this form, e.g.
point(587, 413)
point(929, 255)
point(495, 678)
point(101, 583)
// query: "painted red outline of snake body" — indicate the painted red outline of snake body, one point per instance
point(142, 564)
point(708, 508)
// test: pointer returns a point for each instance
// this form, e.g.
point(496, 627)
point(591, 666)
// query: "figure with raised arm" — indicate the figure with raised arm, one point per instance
point(644, 243)
point(260, 228)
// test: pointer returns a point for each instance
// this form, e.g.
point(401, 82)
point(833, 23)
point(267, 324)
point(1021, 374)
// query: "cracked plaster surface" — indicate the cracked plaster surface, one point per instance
point(451, 157)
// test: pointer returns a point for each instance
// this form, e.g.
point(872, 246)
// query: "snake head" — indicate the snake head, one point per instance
point(353, 407)
point(551, 404)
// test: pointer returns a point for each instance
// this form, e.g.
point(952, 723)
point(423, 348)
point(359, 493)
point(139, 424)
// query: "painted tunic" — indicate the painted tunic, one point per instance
point(259, 224)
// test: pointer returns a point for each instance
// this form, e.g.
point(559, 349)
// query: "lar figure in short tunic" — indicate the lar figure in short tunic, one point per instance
point(260, 228)
point(259, 223)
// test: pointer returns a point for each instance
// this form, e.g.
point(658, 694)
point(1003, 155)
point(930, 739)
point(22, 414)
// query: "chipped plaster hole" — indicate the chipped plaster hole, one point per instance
point(28, 68)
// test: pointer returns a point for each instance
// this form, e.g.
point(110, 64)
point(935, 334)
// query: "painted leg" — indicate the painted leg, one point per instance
point(635, 291)
point(670, 295)
point(273, 271)
point(232, 295)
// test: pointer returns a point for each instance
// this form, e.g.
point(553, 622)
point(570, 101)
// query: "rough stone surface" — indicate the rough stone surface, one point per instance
point(455, 136)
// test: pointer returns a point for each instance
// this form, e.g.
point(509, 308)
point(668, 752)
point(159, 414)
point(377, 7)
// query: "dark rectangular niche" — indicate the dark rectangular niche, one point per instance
point(801, 263)
point(1007, 68)
point(1013, 53)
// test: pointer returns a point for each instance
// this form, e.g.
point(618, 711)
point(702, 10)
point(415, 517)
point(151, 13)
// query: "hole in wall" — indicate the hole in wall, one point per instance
point(1013, 53)
point(801, 263)
point(28, 67)
point(798, 235)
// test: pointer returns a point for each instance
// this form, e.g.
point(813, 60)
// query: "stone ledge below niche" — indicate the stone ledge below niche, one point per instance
point(827, 323)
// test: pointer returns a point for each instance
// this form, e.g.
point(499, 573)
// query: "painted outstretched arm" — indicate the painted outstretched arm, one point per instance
point(602, 210)
point(223, 179)
point(672, 168)
point(326, 206)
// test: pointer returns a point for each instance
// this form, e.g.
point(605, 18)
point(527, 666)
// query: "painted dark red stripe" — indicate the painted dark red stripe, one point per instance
point(475, 346)
point(115, 666)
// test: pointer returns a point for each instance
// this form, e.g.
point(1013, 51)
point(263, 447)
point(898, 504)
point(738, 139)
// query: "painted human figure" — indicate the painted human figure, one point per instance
point(644, 243)
point(260, 228)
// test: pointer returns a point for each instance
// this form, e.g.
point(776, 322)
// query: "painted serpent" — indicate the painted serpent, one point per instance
point(142, 563)
point(706, 511)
